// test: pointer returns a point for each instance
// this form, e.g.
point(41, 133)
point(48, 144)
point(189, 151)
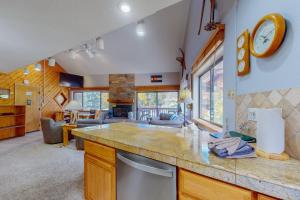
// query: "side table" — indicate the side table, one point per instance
point(66, 129)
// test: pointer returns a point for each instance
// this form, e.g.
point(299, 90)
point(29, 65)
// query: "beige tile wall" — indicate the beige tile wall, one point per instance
point(287, 99)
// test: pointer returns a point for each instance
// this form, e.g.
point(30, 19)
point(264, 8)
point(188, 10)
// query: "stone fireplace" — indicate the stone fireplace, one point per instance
point(121, 94)
point(121, 110)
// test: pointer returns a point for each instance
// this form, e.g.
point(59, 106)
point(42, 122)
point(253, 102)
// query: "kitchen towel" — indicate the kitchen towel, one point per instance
point(233, 147)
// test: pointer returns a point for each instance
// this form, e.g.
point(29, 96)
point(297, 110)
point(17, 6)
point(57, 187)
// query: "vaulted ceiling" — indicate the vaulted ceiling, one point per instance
point(32, 30)
point(125, 52)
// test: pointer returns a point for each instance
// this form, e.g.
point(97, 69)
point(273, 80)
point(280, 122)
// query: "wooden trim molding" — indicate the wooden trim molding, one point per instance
point(207, 125)
point(149, 88)
point(103, 88)
point(211, 46)
point(145, 88)
point(121, 101)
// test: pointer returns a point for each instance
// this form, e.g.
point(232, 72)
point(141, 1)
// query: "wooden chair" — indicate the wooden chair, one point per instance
point(59, 116)
point(74, 117)
point(97, 114)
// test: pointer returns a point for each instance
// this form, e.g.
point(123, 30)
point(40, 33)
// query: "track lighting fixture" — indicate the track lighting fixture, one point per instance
point(99, 43)
point(51, 62)
point(72, 53)
point(140, 28)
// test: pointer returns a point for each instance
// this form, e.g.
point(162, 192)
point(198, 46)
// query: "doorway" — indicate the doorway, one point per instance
point(30, 97)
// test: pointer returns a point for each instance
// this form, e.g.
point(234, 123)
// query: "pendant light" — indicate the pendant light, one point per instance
point(140, 29)
point(99, 43)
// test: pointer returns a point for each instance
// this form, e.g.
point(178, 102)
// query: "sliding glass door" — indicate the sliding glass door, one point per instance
point(151, 104)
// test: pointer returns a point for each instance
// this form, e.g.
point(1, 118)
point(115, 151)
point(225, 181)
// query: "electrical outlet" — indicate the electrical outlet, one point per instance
point(252, 114)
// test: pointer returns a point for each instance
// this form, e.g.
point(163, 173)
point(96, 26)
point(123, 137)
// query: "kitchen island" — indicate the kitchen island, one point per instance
point(187, 149)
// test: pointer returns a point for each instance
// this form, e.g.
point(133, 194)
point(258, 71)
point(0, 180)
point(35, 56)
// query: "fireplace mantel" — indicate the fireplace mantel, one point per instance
point(121, 101)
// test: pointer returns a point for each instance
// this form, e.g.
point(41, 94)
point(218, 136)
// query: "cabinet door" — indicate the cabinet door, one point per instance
point(185, 197)
point(263, 197)
point(194, 186)
point(99, 179)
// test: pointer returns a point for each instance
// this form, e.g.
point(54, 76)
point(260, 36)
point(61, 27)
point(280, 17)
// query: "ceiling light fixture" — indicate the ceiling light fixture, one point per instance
point(72, 53)
point(99, 43)
point(124, 7)
point(140, 29)
point(25, 71)
point(89, 53)
point(51, 62)
point(38, 67)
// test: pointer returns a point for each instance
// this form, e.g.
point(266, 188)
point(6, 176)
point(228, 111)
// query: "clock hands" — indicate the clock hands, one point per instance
point(265, 39)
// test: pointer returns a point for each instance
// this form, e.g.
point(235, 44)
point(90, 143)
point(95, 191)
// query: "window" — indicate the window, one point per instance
point(92, 100)
point(211, 93)
point(151, 104)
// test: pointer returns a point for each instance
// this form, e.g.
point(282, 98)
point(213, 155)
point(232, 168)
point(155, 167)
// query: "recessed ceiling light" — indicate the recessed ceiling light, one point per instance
point(140, 29)
point(124, 7)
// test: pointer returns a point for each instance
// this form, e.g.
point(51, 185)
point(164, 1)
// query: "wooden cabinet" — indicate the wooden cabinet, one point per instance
point(185, 197)
point(12, 121)
point(264, 197)
point(196, 187)
point(100, 180)
point(99, 172)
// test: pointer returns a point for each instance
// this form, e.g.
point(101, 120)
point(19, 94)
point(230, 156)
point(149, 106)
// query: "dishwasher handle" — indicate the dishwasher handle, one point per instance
point(146, 168)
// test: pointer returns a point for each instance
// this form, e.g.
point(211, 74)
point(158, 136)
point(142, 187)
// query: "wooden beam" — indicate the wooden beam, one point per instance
point(145, 88)
point(103, 88)
point(149, 88)
point(210, 47)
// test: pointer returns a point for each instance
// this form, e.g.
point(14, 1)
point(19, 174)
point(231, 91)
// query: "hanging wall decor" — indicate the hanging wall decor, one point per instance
point(268, 35)
point(243, 54)
point(156, 78)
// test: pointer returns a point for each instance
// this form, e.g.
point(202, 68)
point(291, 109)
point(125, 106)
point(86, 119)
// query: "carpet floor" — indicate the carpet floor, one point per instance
point(32, 170)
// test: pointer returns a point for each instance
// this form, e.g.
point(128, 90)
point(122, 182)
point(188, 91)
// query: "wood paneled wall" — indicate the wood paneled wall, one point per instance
point(48, 83)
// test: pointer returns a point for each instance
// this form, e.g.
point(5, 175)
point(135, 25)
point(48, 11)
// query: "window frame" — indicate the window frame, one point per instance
point(82, 91)
point(156, 106)
point(211, 92)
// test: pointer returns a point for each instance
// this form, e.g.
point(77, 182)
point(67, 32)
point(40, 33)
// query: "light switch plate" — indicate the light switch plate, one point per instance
point(252, 114)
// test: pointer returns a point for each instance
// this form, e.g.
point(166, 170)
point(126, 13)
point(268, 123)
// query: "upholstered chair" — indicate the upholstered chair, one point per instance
point(52, 131)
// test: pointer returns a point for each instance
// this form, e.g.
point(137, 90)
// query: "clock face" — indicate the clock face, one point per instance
point(241, 54)
point(264, 36)
point(241, 66)
point(241, 41)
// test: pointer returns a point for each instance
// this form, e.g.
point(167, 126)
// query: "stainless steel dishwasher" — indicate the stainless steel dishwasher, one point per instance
point(140, 178)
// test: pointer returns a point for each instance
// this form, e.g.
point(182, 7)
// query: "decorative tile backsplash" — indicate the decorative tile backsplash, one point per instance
point(287, 99)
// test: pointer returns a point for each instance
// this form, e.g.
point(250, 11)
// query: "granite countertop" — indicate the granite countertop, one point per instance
point(187, 148)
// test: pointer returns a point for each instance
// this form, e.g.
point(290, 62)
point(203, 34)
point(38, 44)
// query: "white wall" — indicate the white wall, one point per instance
point(194, 43)
point(282, 69)
point(169, 78)
point(279, 71)
point(96, 80)
point(229, 19)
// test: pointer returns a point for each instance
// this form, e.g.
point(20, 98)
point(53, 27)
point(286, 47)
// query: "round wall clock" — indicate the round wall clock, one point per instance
point(267, 35)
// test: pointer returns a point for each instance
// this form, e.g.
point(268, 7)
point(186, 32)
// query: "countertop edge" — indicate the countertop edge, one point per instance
point(242, 180)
